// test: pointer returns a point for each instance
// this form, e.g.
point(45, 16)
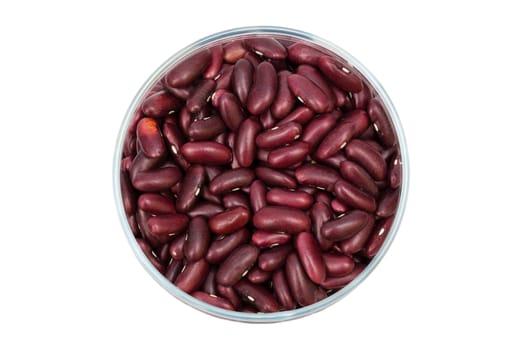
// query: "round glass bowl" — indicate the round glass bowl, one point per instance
point(286, 36)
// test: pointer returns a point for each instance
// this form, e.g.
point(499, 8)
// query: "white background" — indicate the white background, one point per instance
point(454, 275)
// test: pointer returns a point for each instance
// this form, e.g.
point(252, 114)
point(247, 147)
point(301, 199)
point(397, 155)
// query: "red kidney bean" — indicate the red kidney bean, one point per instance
point(323, 197)
point(185, 120)
point(173, 269)
point(234, 51)
point(380, 232)
point(282, 291)
point(335, 140)
point(287, 156)
point(316, 77)
point(317, 176)
point(284, 99)
point(338, 265)
point(252, 58)
point(267, 120)
point(206, 152)
point(224, 81)
point(257, 295)
point(294, 199)
point(242, 79)
point(340, 74)
point(358, 176)
point(206, 129)
point(231, 295)
point(150, 139)
point(354, 197)
point(274, 258)
point(231, 111)
point(387, 204)
point(300, 115)
point(174, 140)
point(355, 243)
point(236, 199)
point(231, 180)
point(362, 153)
point(148, 252)
point(258, 276)
point(279, 136)
point(181, 92)
point(191, 187)
point(342, 99)
point(309, 254)
point(320, 213)
point(273, 177)
point(206, 209)
point(257, 195)
point(263, 89)
point(160, 104)
point(317, 129)
point(198, 239)
point(345, 226)
point(338, 207)
point(209, 286)
point(244, 149)
point(281, 219)
point(263, 239)
point(168, 224)
point(341, 281)
point(237, 264)
point(176, 247)
point(187, 70)
point(302, 288)
point(268, 47)
point(222, 247)
point(362, 98)
point(141, 163)
point(394, 173)
point(128, 194)
point(215, 63)
point(304, 54)
point(229, 221)
point(192, 276)
point(156, 204)
point(308, 93)
point(213, 300)
point(156, 180)
point(200, 95)
point(382, 123)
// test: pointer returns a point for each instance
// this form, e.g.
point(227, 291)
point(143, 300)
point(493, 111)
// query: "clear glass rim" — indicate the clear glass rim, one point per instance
point(281, 315)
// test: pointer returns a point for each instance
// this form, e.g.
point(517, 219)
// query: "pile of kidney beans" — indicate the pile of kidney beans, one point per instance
point(260, 174)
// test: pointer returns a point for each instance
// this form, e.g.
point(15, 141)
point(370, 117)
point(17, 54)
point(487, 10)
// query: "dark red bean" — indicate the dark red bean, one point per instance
point(156, 204)
point(281, 219)
point(206, 152)
point(229, 221)
point(173, 270)
point(267, 120)
point(209, 285)
point(206, 209)
point(157, 180)
point(317, 129)
point(394, 173)
point(160, 104)
point(206, 129)
point(282, 291)
point(236, 199)
point(231, 295)
point(284, 99)
point(133, 226)
point(174, 140)
point(340, 74)
point(263, 89)
point(317, 78)
point(231, 111)
point(323, 197)
point(198, 239)
point(267, 47)
point(150, 139)
point(273, 177)
point(274, 258)
point(176, 248)
point(304, 54)
point(294, 199)
point(187, 70)
point(317, 176)
point(213, 300)
point(388, 202)
point(308, 93)
point(200, 95)
point(279, 136)
point(222, 247)
point(128, 194)
point(378, 236)
point(364, 154)
point(208, 196)
point(191, 187)
point(257, 195)
point(340, 282)
point(320, 214)
point(338, 265)
point(342, 99)
point(237, 264)
point(148, 252)
point(224, 81)
point(335, 140)
point(181, 92)
point(215, 63)
point(354, 197)
point(287, 156)
point(141, 163)
point(234, 51)
point(257, 276)
point(263, 239)
point(345, 227)
point(309, 254)
point(245, 142)
point(338, 207)
point(231, 180)
point(382, 123)
point(355, 243)
point(242, 79)
point(300, 115)
point(257, 296)
point(302, 288)
point(168, 224)
point(192, 276)
point(362, 98)
point(358, 176)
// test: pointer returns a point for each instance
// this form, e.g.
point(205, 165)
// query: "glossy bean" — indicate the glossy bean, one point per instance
point(354, 197)
point(281, 219)
point(206, 152)
point(156, 204)
point(273, 177)
point(231, 180)
point(338, 265)
point(221, 247)
point(224, 81)
point(340, 74)
point(317, 129)
point(174, 140)
point(208, 196)
point(157, 180)
point(180, 92)
point(206, 209)
point(160, 104)
point(236, 199)
point(263, 89)
point(189, 69)
point(185, 120)
point(267, 47)
point(394, 172)
point(168, 224)
point(378, 236)
point(282, 290)
point(215, 63)
point(279, 136)
point(274, 258)
point(191, 187)
point(362, 98)
point(359, 177)
point(338, 207)
point(176, 247)
point(310, 256)
point(192, 276)
point(317, 176)
point(308, 93)
point(245, 142)
point(229, 221)
point(300, 115)
point(335, 140)
point(148, 252)
point(320, 214)
point(294, 199)
point(355, 243)
point(213, 300)
point(264, 239)
point(173, 270)
point(267, 120)
point(257, 296)
point(312, 74)
point(237, 264)
point(287, 156)
point(341, 281)
point(231, 295)
point(198, 239)
point(150, 139)
point(206, 129)
point(257, 276)
point(231, 111)
point(257, 195)
point(346, 226)
point(364, 154)
point(302, 288)
point(200, 95)
point(128, 193)
point(234, 51)
point(304, 54)
point(209, 285)
point(382, 123)
point(284, 99)
point(388, 202)
point(242, 79)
